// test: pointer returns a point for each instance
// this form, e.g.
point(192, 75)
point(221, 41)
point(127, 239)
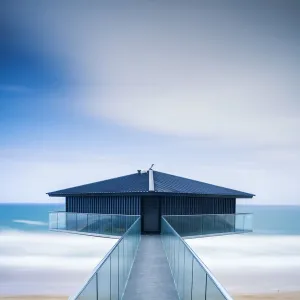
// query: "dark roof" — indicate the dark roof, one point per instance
point(138, 183)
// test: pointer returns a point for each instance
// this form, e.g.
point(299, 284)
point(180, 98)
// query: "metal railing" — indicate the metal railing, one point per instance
point(210, 224)
point(193, 280)
point(110, 277)
point(100, 224)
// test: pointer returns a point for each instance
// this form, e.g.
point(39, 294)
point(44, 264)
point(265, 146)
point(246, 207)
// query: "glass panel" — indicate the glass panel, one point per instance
point(188, 275)
point(198, 225)
point(181, 270)
point(104, 281)
point(53, 220)
point(71, 220)
point(212, 292)
point(122, 277)
point(90, 291)
point(248, 222)
point(61, 220)
point(82, 222)
point(239, 223)
point(92, 223)
point(199, 281)
point(114, 276)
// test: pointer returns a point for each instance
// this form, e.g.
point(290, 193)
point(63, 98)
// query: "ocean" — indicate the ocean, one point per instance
point(36, 261)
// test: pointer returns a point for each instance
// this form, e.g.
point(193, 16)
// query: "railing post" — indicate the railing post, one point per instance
point(192, 283)
point(97, 286)
point(111, 226)
point(87, 222)
point(205, 286)
point(110, 277)
point(119, 273)
point(76, 221)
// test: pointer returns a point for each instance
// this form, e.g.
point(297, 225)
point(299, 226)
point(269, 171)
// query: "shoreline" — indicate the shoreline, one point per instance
point(260, 296)
point(295, 295)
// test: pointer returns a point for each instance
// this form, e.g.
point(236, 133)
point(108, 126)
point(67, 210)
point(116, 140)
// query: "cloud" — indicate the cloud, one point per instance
point(30, 222)
point(217, 87)
point(189, 71)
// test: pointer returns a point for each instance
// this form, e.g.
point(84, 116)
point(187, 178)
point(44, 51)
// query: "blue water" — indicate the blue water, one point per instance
point(274, 220)
point(279, 220)
point(36, 261)
point(15, 216)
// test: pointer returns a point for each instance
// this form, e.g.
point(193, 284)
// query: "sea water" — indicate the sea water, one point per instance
point(262, 262)
point(36, 261)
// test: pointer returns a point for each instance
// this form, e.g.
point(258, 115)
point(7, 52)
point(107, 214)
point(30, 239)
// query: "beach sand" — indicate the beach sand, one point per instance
point(277, 296)
point(34, 297)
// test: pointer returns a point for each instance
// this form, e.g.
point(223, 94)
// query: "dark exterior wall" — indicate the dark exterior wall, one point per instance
point(169, 205)
point(183, 205)
point(124, 205)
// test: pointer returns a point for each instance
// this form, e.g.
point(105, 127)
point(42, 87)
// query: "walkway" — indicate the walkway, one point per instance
point(150, 278)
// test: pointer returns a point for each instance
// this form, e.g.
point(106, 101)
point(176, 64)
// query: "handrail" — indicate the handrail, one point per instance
point(73, 212)
point(104, 259)
point(207, 215)
point(206, 269)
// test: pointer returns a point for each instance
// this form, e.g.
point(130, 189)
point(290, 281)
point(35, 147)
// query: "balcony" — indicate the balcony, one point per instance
point(151, 266)
point(91, 224)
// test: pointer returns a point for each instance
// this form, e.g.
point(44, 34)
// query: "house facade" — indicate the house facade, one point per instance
point(150, 194)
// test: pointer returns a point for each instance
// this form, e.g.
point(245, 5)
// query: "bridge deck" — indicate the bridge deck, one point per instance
point(150, 277)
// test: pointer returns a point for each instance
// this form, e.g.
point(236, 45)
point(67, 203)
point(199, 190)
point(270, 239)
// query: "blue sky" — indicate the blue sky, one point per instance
point(205, 90)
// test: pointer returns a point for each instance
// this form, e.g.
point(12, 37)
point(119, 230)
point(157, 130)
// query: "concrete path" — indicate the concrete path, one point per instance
point(150, 278)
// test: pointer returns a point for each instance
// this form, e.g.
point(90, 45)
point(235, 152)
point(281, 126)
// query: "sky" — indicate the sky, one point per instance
point(207, 90)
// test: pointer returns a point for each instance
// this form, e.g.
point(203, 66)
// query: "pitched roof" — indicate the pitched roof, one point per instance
point(138, 183)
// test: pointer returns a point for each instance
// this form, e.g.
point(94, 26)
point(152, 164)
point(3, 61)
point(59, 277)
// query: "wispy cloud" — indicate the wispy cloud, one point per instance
point(219, 86)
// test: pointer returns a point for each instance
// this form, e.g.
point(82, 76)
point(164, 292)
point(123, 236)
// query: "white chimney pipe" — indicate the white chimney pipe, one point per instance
point(151, 181)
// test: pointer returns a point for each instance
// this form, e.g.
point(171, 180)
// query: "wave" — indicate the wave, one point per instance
point(37, 263)
point(252, 263)
point(31, 222)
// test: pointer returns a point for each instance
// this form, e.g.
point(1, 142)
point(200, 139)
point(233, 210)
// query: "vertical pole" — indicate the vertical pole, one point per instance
point(97, 296)
point(76, 222)
point(234, 222)
point(192, 283)
point(205, 286)
point(111, 224)
point(118, 272)
point(183, 283)
point(110, 277)
point(87, 222)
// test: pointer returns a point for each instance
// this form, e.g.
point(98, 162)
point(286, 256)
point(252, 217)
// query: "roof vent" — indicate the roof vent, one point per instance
point(139, 171)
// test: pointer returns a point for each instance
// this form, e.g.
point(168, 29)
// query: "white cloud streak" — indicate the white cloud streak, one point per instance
point(219, 81)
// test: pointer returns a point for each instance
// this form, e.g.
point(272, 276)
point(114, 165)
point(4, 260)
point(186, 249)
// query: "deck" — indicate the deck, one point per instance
point(150, 277)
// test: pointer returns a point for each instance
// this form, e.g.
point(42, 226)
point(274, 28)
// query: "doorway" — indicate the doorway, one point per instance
point(150, 215)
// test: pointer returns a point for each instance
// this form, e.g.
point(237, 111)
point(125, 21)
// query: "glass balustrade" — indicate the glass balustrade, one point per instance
point(110, 277)
point(114, 225)
point(192, 278)
point(199, 225)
